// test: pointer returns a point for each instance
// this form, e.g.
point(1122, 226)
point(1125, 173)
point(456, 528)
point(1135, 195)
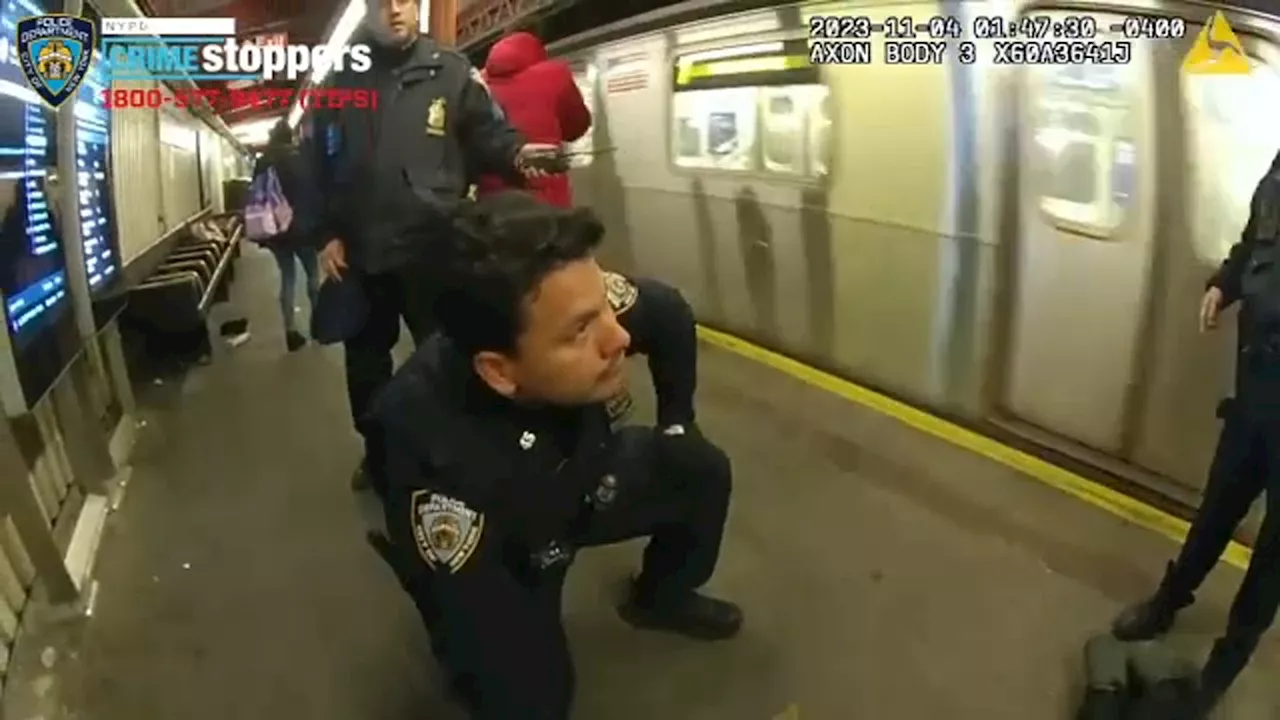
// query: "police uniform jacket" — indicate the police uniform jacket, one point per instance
point(484, 487)
point(1251, 275)
point(387, 168)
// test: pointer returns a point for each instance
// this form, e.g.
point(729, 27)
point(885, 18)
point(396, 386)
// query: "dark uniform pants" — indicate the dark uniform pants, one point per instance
point(1246, 462)
point(679, 497)
point(406, 293)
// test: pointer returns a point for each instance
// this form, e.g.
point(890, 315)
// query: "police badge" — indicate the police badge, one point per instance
point(445, 530)
point(621, 291)
point(55, 52)
point(436, 117)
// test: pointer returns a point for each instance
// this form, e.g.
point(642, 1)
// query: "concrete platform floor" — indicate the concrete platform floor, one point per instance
point(885, 574)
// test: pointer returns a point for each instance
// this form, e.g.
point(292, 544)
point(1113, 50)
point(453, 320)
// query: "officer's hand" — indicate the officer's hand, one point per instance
point(333, 260)
point(1210, 305)
point(678, 449)
point(533, 158)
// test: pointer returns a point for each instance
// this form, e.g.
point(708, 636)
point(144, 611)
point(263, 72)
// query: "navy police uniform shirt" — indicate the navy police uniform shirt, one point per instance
point(485, 497)
point(1250, 274)
point(491, 483)
point(393, 170)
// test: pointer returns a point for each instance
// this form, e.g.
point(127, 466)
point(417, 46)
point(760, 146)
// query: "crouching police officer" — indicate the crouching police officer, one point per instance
point(502, 461)
point(1246, 462)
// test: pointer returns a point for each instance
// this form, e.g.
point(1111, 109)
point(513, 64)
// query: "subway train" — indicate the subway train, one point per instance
point(1020, 247)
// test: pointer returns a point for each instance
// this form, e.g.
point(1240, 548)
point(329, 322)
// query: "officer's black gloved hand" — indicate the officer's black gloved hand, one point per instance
point(679, 449)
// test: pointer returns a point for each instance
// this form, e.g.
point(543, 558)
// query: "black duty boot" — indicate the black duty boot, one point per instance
point(691, 614)
point(1153, 617)
point(294, 340)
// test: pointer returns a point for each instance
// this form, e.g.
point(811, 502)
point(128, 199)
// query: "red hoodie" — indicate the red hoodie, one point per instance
point(541, 100)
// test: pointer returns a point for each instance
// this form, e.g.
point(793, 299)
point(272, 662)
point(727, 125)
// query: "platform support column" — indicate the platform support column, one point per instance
point(90, 456)
point(443, 21)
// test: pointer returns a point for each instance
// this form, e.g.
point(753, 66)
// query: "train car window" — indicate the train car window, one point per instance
point(1083, 162)
point(716, 128)
point(745, 107)
point(795, 129)
point(784, 128)
point(583, 147)
point(1124, 172)
point(688, 139)
point(1231, 120)
point(820, 134)
point(1068, 166)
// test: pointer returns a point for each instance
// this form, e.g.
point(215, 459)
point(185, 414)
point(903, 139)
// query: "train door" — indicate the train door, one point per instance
point(1083, 237)
point(584, 77)
point(1229, 141)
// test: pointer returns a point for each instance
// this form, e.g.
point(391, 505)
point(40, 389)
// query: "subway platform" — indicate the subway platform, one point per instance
point(886, 574)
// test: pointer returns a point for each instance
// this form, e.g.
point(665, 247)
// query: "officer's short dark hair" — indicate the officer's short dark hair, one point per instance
point(501, 249)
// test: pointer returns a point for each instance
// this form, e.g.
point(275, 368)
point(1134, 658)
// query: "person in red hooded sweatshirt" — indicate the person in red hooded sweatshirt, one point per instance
point(542, 101)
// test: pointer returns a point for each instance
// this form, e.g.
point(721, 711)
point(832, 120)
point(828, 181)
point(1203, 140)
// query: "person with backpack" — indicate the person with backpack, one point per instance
point(291, 243)
point(1246, 462)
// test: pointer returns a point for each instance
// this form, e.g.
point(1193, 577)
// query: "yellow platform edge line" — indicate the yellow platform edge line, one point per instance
point(1123, 506)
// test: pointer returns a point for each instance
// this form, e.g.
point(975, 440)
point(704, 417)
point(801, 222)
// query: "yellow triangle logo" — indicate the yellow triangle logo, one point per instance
point(791, 713)
point(1217, 51)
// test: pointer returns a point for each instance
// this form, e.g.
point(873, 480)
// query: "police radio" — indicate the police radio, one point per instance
point(554, 159)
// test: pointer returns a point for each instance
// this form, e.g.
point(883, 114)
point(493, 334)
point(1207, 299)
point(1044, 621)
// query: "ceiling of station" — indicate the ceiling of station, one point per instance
point(304, 21)
point(308, 21)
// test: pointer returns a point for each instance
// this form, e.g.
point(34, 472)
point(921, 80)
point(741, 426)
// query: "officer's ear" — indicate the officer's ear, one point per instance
point(497, 371)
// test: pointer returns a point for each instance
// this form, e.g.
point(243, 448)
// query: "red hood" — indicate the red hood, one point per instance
point(514, 53)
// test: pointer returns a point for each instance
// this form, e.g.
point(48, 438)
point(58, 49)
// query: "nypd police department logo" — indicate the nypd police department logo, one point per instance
point(55, 52)
point(621, 291)
point(445, 530)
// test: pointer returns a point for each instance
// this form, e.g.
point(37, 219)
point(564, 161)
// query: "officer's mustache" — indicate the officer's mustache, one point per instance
point(614, 367)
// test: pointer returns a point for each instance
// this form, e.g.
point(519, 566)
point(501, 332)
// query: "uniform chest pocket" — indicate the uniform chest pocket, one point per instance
point(426, 142)
point(543, 506)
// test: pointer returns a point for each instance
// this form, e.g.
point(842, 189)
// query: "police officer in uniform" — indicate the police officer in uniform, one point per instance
point(1246, 462)
point(397, 166)
point(503, 462)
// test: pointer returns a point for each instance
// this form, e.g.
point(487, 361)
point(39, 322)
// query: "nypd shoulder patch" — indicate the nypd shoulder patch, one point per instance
point(445, 530)
point(621, 291)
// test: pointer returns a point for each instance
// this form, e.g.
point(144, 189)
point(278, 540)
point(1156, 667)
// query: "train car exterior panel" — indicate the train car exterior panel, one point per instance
point(998, 242)
point(752, 236)
point(1086, 204)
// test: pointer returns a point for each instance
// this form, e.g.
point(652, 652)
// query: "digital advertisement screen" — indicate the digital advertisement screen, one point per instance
point(33, 278)
point(93, 170)
point(32, 269)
